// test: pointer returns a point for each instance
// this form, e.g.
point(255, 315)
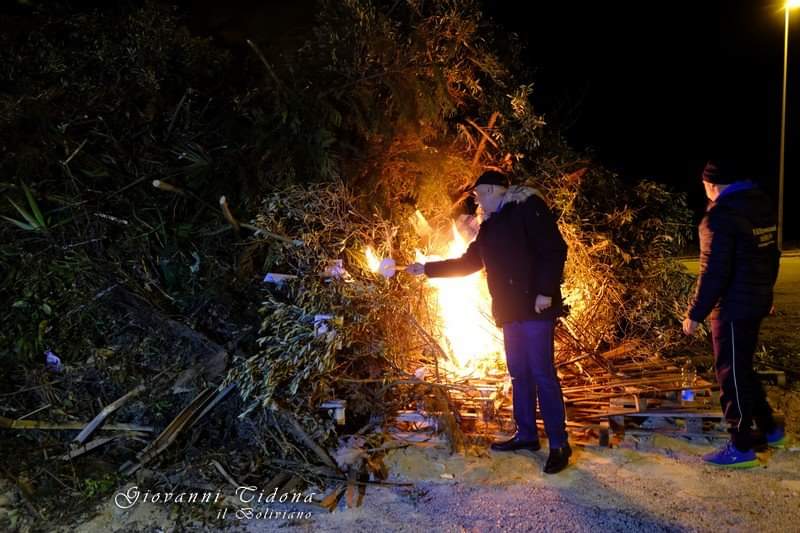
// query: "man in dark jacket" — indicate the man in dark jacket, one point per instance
point(523, 253)
point(739, 260)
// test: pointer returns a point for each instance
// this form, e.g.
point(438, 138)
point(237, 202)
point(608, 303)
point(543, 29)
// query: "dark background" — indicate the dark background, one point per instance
point(656, 88)
point(653, 89)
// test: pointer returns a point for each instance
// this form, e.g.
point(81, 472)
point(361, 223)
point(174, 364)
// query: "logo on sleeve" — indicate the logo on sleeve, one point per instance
point(765, 236)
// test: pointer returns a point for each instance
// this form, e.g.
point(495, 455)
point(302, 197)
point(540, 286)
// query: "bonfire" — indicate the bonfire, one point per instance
point(396, 343)
point(460, 308)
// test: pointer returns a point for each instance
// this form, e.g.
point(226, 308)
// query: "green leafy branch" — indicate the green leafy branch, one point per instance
point(34, 220)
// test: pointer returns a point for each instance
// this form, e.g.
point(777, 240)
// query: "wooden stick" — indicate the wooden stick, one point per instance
point(175, 113)
point(201, 404)
point(73, 154)
point(623, 394)
point(28, 389)
point(164, 186)
point(484, 137)
point(105, 413)
point(655, 413)
point(96, 443)
point(42, 408)
point(372, 482)
point(263, 59)
point(426, 384)
point(225, 474)
point(8, 423)
point(427, 336)
point(223, 202)
point(297, 430)
point(630, 383)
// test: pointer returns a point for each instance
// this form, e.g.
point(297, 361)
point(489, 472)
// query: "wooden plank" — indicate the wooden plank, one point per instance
point(662, 414)
point(677, 433)
point(608, 396)
point(773, 376)
point(623, 349)
point(675, 414)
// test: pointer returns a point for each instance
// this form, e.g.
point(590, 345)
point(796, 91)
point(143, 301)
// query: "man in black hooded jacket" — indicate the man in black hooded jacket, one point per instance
point(739, 260)
point(522, 250)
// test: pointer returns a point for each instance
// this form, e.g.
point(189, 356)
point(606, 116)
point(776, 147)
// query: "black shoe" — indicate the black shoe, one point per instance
point(516, 444)
point(558, 459)
point(764, 440)
point(759, 441)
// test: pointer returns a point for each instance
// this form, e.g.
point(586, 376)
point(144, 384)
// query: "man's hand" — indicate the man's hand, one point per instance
point(415, 269)
point(542, 303)
point(689, 326)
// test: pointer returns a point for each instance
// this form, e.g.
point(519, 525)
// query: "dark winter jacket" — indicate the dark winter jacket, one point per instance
point(523, 253)
point(739, 256)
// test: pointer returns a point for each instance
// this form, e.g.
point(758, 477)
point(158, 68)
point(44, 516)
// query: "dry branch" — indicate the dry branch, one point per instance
point(223, 202)
point(225, 474)
point(8, 423)
point(89, 446)
point(193, 412)
point(484, 137)
point(300, 434)
point(105, 413)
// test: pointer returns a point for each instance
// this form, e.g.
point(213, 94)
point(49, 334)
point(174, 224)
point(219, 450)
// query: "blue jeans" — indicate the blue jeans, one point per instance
point(529, 355)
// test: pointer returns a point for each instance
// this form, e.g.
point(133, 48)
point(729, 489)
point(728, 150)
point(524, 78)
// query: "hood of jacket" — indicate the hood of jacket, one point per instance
point(516, 194)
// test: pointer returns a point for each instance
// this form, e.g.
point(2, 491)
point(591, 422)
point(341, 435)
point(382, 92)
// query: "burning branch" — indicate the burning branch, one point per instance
point(486, 137)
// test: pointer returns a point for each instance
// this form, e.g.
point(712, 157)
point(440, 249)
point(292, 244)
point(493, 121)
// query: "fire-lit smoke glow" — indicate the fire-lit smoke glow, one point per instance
point(464, 311)
point(373, 262)
point(462, 323)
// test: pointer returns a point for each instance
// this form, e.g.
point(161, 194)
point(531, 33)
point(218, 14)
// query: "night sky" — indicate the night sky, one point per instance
point(656, 88)
point(653, 88)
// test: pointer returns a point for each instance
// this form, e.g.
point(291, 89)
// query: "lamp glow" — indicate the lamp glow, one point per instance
point(788, 6)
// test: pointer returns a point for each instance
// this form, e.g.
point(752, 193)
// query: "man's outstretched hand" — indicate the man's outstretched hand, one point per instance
point(542, 303)
point(689, 326)
point(415, 269)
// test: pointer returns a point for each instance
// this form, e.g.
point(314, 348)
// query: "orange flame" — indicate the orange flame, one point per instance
point(464, 309)
point(373, 263)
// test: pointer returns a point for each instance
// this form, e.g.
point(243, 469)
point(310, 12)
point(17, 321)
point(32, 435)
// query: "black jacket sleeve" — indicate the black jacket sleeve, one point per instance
point(716, 264)
point(550, 250)
point(461, 266)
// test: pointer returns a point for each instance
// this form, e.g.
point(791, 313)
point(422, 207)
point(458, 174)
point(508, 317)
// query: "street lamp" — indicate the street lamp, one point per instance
point(790, 4)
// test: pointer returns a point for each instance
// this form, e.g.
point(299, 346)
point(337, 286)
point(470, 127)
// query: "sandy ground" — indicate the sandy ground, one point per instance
point(665, 487)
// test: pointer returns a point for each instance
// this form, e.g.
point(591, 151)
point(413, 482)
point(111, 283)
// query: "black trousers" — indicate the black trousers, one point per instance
point(742, 396)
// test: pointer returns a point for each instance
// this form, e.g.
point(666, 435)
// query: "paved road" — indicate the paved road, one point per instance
point(787, 288)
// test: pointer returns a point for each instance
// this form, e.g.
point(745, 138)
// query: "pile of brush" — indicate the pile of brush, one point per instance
point(334, 329)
